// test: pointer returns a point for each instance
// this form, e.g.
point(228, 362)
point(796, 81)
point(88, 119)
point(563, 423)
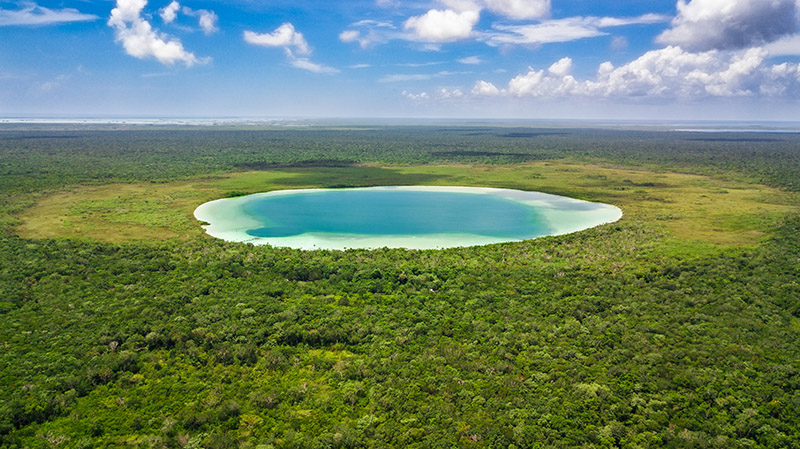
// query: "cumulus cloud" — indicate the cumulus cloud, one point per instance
point(781, 80)
point(670, 72)
point(293, 43)
point(562, 30)
point(458, 19)
point(140, 40)
point(170, 12)
point(31, 14)
point(556, 81)
point(349, 35)
point(485, 88)
point(512, 9)
point(445, 93)
point(206, 20)
point(284, 36)
point(442, 25)
point(520, 9)
point(441, 93)
point(703, 25)
point(561, 68)
point(415, 97)
point(674, 72)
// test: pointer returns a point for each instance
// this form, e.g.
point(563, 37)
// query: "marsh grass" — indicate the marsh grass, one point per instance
point(688, 207)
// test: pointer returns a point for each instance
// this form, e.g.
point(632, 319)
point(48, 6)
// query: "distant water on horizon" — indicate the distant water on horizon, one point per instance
point(663, 125)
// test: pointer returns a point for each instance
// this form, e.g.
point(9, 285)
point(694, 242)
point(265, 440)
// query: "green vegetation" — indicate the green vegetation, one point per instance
point(692, 207)
point(125, 326)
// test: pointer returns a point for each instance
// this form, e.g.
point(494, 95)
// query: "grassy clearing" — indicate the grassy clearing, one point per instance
point(689, 207)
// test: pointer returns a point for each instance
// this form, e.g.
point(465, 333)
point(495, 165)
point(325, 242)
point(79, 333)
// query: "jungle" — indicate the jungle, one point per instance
point(123, 324)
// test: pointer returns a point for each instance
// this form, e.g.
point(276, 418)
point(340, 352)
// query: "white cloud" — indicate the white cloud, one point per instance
point(554, 82)
point(673, 72)
point(729, 24)
point(458, 21)
point(207, 20)
point(485, 88)
point(364, 40)
point(373, 24)
point(32, 14)
point(787, 46)
point(441, 93)
point(415, 97)
point(445, 93)
point(170, 12)
point(561, 68)
point(520, 9)
point(471, 60)
point(561, 30)
point(292, 41)
point(442, 25)
point(564, 30)
point(606, 22)
point(141, 41)
point(349, 35)
point(670, 72)
point(284, 36)
point(306, 64)
point(462, 5)
point(778, 80)
point(370, 32)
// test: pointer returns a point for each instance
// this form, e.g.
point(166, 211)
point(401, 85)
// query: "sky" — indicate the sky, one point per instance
point(494, 59)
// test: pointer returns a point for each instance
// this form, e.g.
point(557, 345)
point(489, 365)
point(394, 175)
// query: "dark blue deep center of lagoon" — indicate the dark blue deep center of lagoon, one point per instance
point(389, 212)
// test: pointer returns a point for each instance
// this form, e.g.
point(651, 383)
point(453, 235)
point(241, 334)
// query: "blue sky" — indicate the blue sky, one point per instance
point(626, 59)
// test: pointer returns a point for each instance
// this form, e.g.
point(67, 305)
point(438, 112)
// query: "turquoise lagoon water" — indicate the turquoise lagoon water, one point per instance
point(409, 217)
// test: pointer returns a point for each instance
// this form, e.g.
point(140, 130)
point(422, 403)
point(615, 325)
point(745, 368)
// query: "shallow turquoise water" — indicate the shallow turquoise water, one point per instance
point(394, 212)
point(419, 217)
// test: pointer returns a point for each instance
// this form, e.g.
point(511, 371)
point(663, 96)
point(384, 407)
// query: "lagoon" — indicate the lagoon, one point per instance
point(414, 217)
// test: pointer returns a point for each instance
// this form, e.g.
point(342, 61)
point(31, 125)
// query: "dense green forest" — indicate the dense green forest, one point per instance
point(627, 335)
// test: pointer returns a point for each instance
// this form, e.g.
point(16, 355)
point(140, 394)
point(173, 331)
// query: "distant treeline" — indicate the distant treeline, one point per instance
point(41, 159)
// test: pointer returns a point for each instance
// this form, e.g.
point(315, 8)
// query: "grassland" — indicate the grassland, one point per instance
point(689, 207)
